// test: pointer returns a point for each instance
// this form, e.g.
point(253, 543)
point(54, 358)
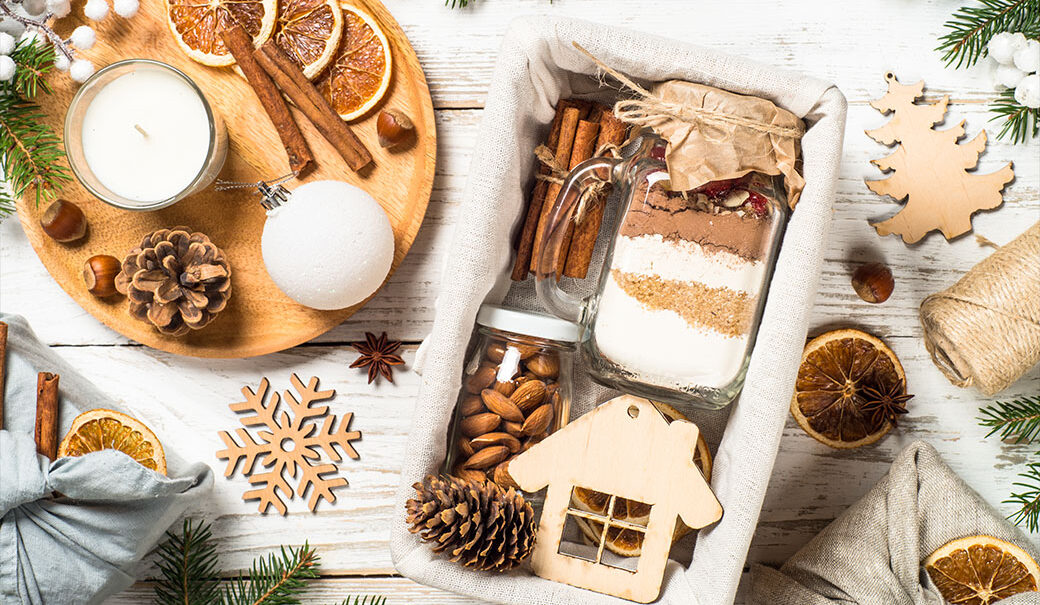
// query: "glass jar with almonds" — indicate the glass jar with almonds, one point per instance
point(516, 390)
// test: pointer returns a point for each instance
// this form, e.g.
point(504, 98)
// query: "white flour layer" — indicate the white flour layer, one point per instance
point(681, 260)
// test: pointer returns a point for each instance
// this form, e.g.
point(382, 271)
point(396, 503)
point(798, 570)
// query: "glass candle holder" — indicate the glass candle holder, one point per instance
point(140, 135)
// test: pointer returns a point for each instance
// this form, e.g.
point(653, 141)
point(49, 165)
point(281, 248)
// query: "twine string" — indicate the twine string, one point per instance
point(985, 329)
point(557, 175)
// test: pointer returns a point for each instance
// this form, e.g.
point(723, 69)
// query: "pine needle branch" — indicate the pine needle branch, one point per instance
point(972, 27)
point(368, 600)
point(1020, 122)
point(188, 563)
point(1018, 419)
point(32, 64)
point(277, 579)
point(1028, 500)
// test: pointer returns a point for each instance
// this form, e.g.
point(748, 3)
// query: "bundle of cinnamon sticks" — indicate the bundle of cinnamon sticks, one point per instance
point(580, 130)
point(270, 72)
point(46, 433)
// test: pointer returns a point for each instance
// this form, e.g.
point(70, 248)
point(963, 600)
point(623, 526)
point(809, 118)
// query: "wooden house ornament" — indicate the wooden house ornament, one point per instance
point(625, 448)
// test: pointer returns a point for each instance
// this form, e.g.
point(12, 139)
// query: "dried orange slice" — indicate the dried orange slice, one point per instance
point(626, 542)
point(360, 73)
point(309, 31)
point(101, 429)
point(979, 570)
point(850, 389)
point(196, 25)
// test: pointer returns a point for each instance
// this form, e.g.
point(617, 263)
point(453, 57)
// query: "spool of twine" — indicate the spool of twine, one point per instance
point(985, 329)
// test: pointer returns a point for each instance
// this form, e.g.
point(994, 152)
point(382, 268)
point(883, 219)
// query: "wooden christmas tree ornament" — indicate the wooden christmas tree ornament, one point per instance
point(290, 445)
point(929, 167)
point(626, 449)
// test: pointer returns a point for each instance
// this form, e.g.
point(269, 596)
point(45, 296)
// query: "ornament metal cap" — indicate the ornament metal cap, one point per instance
point(272, 193)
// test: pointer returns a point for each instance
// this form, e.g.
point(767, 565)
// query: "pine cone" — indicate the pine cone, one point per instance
point(176, 279)
point(478, 524)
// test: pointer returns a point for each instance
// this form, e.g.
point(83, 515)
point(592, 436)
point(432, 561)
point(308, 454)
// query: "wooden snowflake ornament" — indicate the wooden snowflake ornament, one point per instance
point(290, 446)
point(929, 168)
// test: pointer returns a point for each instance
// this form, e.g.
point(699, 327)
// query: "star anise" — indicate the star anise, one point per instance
point(378, 355)
point(885, 404)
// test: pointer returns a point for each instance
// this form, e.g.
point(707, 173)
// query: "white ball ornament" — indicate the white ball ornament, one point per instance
point(59, 8)
point(11, 27)
point(7, 68)
point(96, 10)
point(34, 8)
point(1008, 75)
point(83, 37)
point(330, 246)
point(80, 70)
point(31, 36)
point(7, 43)
point(1002, 47)
point(1027, 92)
point(61, 62)
point(126, 8)
point(1027, 58)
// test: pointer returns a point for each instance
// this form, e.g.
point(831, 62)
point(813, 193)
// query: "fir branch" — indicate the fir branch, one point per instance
point(276, 580)
point(31, 155)
point(1020, 122)
point(972, 27)
point(188, 563)
point(1028, 500)
point(32, 63)
point(456, 3)
point(369, 600)
point(1018, 419)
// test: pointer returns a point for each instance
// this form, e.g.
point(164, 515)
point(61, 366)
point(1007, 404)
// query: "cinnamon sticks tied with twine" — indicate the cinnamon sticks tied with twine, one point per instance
point(46, 432)
point(580, 130)
point(268, 69)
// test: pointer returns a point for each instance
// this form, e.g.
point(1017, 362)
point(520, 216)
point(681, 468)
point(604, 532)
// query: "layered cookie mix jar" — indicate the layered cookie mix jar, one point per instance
point(687, 271)
point(516, 390)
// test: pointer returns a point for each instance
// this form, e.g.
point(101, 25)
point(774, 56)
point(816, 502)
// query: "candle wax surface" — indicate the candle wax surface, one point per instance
point(165, 158)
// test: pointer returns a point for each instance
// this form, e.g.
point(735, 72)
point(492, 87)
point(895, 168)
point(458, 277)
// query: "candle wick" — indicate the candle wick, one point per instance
point(141, 130)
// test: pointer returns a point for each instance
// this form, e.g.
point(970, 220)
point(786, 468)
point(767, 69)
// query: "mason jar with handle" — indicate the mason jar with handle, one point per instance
point(683, 282)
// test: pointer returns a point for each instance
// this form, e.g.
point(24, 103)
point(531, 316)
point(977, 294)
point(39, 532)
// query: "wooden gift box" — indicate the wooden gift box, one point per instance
point(538, 66)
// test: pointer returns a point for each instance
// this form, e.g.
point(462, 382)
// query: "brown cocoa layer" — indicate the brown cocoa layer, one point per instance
point(673, 217)
point(724, 310)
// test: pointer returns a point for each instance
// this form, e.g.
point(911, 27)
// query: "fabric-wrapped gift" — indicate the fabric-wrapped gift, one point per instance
point(72, 529)
point(537, 66)
point(872, 554)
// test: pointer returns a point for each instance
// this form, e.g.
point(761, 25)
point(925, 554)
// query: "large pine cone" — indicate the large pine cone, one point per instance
point(176, 279)
point(478, 524)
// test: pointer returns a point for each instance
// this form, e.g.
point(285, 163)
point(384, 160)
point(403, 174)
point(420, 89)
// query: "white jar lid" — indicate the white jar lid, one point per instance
point(528, 323)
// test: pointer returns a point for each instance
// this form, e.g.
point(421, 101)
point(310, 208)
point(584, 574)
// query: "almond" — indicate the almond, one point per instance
point(478, 424)
point(480, 379)
point(538, 422)
point(487, 457)
point(527, 351)
point(488, 439)
point(546, 365)
point(529, 395)
point(471, 404)
point(470, 474)
point(502, 477)
point(529, 443)
point(501, 405)
point(506, 388)
point(513, 428)
point(464, 447)
point(496, 351)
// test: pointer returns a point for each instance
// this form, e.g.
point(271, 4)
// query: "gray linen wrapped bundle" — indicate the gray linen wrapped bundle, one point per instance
point(872, 553)
point(81, 546)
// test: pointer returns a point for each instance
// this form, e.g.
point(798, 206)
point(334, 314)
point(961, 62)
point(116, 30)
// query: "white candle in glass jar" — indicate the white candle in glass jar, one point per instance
point(146, 135)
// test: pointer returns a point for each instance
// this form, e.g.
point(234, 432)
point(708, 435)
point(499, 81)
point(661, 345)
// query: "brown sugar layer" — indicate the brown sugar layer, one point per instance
point(673, 217)
point(726, 311)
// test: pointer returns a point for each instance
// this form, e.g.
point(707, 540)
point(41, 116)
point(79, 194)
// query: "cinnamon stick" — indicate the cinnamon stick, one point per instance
point(612, 131)
point(525, 240)
point(304, 95)
point(562, 155)
point(240, 45)
point(3, 364)
point(584, 148)
point(47, 414)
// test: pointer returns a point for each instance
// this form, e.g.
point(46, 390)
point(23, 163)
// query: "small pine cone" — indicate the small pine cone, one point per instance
point(176, 279)
point(478, 524)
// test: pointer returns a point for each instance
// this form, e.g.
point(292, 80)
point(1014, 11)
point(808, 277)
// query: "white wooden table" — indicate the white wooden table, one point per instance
point(853, 44)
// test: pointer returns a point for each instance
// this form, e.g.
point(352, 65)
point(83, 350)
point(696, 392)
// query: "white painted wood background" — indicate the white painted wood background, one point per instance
point(850, 43)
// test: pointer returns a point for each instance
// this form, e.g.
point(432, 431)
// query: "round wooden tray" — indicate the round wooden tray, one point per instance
point(259, 319)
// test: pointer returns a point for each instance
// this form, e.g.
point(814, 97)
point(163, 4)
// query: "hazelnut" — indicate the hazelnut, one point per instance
point(873, 282)
point(393, 128)
point(99, 273)
point(64, 221)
